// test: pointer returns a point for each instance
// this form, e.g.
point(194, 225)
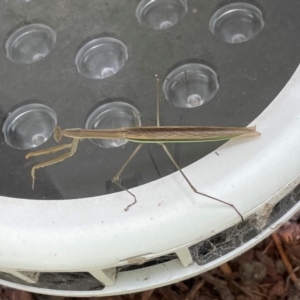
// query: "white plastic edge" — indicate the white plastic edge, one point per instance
point(83, 234)
point(158, 275)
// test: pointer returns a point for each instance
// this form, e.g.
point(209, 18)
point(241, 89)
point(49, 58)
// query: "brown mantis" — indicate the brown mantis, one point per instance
point(154, 134)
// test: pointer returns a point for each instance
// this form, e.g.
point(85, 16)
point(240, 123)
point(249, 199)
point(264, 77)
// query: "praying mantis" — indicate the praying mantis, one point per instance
point(153, 134)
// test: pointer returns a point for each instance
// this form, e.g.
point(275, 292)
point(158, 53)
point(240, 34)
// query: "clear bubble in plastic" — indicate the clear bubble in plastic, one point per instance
point(236, 22)
point(110, 116)
point(159, 14)
point(101, 58)
point(29, 126)
point(194, 84)
point(30, 43)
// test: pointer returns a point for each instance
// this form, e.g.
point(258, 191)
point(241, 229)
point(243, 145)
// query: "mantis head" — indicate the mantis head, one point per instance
point(58, 134)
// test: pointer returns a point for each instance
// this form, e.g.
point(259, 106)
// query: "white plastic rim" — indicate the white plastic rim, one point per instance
point(82, 234)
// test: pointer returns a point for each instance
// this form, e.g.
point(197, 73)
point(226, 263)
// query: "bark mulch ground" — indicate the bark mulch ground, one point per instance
point(271, 270)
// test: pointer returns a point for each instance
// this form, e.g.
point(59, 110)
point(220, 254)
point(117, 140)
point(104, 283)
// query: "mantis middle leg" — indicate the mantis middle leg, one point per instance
point(117, 180)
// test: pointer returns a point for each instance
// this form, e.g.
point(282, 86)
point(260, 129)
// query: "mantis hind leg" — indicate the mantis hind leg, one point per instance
point(117, 180)
point(72, 146)
point(193, 188)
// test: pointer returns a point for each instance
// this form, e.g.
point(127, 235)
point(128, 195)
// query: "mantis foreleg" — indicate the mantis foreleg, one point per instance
point(54, 160)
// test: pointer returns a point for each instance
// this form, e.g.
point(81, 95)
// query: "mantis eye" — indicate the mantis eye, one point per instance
point(58, 134)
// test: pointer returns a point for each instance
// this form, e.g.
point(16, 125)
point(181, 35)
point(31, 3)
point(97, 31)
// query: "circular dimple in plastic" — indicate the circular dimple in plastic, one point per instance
point(236, 22)
point(101, 58)
point(30, 43)
point(159, 14)
point(193, 85)
point(29, 126)
point(110, 116)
